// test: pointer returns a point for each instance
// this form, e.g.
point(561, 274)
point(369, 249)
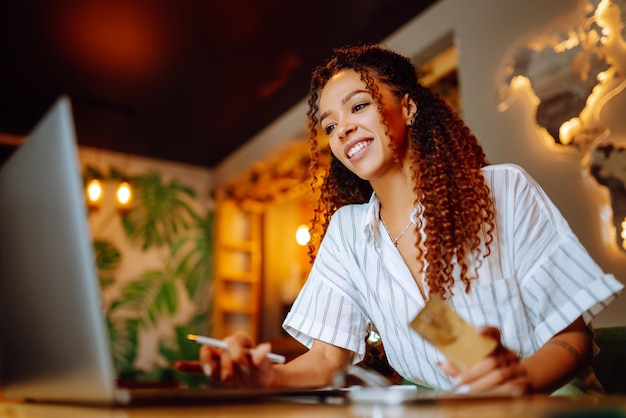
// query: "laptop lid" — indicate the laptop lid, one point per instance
point(53, 339)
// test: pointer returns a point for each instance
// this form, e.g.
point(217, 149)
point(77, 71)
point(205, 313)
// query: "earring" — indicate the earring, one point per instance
point(411, 122)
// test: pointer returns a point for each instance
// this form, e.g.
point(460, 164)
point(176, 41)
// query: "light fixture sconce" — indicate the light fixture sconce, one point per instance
point(94, 193)
point(302, 235)
point(124, 196)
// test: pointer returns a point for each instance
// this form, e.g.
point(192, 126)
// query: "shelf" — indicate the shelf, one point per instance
point(233, 308)
point(237, 269)
point(239, 276)
point(243, 246)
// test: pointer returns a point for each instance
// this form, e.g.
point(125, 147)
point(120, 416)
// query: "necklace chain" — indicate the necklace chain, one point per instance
point(396, 239)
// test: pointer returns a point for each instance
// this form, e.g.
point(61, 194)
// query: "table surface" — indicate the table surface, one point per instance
point(526, 407)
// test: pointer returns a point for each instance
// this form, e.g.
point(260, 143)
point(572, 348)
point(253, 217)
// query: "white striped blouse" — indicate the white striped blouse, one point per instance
point(537, 280)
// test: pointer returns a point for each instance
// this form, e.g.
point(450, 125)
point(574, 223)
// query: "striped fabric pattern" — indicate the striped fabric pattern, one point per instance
point(537, 280)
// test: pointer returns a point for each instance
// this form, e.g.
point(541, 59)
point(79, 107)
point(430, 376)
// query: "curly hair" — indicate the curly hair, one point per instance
point(454, 203)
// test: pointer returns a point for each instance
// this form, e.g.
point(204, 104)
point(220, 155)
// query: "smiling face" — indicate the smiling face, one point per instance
point(357, 136)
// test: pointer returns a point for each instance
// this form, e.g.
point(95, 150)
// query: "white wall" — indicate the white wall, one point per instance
point(486, 32)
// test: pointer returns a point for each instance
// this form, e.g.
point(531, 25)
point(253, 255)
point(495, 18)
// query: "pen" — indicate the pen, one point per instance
point(213, 342)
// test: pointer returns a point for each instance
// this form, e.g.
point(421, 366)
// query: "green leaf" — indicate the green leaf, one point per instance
point(124, 335)
point(166, 300)
point(161, 211)
point(108, 259)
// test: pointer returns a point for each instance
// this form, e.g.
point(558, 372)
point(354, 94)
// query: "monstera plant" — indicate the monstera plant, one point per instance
point(162, 216)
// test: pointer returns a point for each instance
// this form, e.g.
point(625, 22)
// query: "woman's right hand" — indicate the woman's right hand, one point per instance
point(242, 365)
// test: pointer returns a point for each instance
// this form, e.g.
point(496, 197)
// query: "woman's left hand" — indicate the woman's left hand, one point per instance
point(501, 373)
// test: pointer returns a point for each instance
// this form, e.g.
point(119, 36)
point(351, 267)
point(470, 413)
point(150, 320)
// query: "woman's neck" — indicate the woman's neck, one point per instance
point(396, 196)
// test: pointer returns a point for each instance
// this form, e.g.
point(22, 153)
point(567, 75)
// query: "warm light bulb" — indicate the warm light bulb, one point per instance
point(95, 193)
point(302, 235)
point(124, 195)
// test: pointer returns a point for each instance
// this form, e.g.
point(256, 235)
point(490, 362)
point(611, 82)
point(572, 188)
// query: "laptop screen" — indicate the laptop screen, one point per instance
point(54, 342)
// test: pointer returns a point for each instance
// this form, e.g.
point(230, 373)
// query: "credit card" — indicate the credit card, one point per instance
point(454, 337)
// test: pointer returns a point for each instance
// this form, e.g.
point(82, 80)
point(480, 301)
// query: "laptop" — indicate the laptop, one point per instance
point(54, 344)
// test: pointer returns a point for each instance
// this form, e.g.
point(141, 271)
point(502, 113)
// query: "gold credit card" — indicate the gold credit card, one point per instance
point(461, 343)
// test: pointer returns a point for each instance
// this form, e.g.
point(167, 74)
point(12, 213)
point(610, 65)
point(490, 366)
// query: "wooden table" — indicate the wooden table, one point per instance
point(526, 407)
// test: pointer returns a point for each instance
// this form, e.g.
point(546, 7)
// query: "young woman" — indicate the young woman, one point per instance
point(410, 209)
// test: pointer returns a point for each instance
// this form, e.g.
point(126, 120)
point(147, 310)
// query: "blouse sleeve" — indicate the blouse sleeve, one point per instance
point(327, 307)
point(559, 279)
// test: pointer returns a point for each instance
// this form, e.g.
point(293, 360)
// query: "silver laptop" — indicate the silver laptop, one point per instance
point(54, 344)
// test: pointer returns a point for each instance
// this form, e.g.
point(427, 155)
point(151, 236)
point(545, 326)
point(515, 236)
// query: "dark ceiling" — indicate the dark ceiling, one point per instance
point(181, 80)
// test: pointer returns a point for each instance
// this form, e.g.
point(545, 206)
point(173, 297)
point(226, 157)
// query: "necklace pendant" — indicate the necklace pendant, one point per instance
point(395, 240)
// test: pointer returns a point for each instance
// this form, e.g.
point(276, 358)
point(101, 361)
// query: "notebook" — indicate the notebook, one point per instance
point(54, 344)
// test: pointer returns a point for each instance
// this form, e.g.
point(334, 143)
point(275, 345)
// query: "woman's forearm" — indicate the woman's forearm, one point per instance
point(313, 369)
point(560, 359)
